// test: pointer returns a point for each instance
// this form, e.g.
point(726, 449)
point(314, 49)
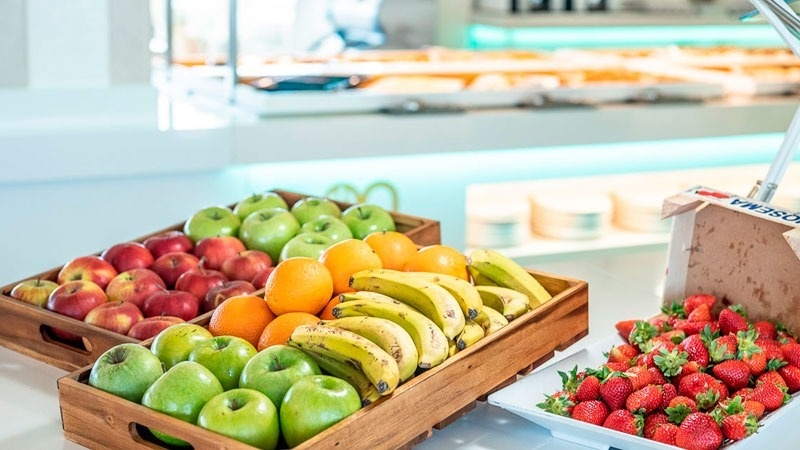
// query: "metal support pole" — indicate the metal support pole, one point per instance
point(168, 51)
point(233, 51)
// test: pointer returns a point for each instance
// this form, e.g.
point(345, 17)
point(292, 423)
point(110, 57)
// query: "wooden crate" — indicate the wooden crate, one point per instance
point(434, 399)
point(26, 328)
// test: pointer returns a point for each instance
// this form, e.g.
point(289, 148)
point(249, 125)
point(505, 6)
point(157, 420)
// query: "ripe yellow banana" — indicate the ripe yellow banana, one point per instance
point(452, 349)
point(427, 297)
point(505, 272)
point(463, 291)
point(490, 320)
point(389, 336)
point(507, 301)
point(472, 333)
point(373, 296)
point(379, 366)
point(429, 339)
point(348, 372)
point(478, 279)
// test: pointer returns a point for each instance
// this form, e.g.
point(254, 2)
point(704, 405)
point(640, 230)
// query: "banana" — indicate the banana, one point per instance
point(478, 279)
point(507, 301)
point(472, 333)
point(379, 367)
point(505, 272)
point(429, 339)
point(463, 291)
point(490, 320)
point(452, 349)
point(427, 297)
point(389, 336)
point(367, 295)
point(348, 372)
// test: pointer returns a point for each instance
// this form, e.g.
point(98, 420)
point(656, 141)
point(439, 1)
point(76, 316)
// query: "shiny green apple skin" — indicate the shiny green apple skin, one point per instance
point(245, 415)
point(225, 357)
point(126, 370)
point(275, 369)
point(256, 202)
point(175, 343)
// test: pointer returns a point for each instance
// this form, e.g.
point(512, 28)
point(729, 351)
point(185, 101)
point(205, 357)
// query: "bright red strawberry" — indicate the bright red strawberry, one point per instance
point(791, 353)
point(624, 327)
point(693, 301)
point(771, 376)
point(560, 403)
point(733, 372)
point(744, 393)
point(770, 347)
point(732, 320)
point(699, 431)
point(695, 349)
point(591, 411)
point(766, 329)
point(674, 336)
point(665, 433)
point(670, 362)
point(644, 360)
point(722, 348)
point(642, 332)
point(615, 390)
point(645, 400)
point(652, 421)
point(691, 328)
point(749, 352)
point(703, 388)
point(656, 376)
point(739, 426)
point(754, 407)
point(686, 370)
point(770, 395)
point(680, 407)
point(639, 377)
point(616, 366)
point(700, 314)
point(589, 389)
point(668, 392)
point(783, 336)
point(791, 375)
point(624, 421)
point(622, 353)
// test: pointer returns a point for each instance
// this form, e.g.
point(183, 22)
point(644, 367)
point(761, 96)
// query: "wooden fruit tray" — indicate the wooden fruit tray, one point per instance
point(26, 328)
point(432, 400)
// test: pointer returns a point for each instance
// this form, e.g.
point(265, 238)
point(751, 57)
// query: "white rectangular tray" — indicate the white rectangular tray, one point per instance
point(522, 396)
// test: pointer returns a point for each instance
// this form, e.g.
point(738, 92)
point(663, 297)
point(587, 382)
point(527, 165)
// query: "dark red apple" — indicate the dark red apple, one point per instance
point(89, 268)
point(127, 256)
point(226, 290)
point(246, 265)
point(172, 265)
point(260, 280)
point(199, 280)
point(151, 326)
point(134, 286)
point(168, 242)
point(118, 317)
point(172, 303)
point(75, 299)
point(217, 249)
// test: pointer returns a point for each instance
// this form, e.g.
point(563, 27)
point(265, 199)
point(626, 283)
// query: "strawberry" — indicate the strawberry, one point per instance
point(570, 380)
point(754, 407)
point(622, 353)
point(615, 390)
point(700, 314)
point(695, 349)
point(639, 377)
point(680, 407)
point(674, 336)
point(766, 329)
point(656, 376)
point(687, 369)
point(691, 302)
point(770, 395)
point(732, 320)
point(645, 400)
point(744, 393)
point(691, 328)
point(734, 373)
point(739, 426)
point(589, 389)
point(642, 332)
point(674, 311)
point(791, 353)
point(624, 327)
point(722, 348)
point(652, 421)
point(749, 352)
point(624, 421)
point(772, 375)
point(770, 347)
point(665, 433)
point(560, 403)
point(616, 366)
point(699, 431)
point(703, 388)
point(791, 375)
point(590, 411)
point(644, 360)
point(670, 362)
point(668, 392)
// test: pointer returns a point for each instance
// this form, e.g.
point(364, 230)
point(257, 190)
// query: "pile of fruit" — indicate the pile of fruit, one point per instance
point(687, 377)
point(140, 288)
point(329, 336)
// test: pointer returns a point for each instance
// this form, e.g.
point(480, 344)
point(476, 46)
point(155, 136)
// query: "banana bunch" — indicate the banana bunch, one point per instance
point(489, 267)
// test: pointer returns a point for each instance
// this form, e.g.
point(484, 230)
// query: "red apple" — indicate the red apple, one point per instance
point(127, 256)
point(217, 249)
point(168, 242)
point(172, 303)
point(151, 326)
point(118, 317)
point(172, 265)
point(34, 292)
point(260, 280)
point(134, 286)
point(75, 299)
point(226, 290)
point(199, 280)
point(89, 268)
point(246, 265)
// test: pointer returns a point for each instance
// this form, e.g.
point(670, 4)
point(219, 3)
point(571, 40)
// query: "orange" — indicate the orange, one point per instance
point(279, 330)
point(347, 257)
point(439, 258)
point(327, 312)
point(393, 248)
point(298, 284)
point(244, 316)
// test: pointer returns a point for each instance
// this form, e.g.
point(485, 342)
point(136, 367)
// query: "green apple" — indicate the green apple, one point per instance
point(364, 218)
point(269, 230)
point(313, 404)
point(257, 202)
point(210, 222)
point(309, 208)
point(181, 393)
point(275, 369)
point(225, 357)
point(126, 370)
point(330, 226)
point(175, 343)
point(245, 415)
point(310, 245)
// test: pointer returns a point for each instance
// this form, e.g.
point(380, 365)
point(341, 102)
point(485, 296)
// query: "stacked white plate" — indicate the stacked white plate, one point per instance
point(498, 225)
point(570, 215)
point(640, 210)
